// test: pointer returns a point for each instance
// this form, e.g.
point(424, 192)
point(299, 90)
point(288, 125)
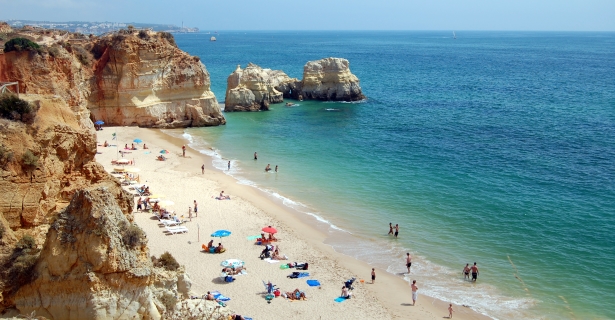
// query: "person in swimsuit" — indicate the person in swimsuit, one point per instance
point(466, 272)
point(255, 156)
point(184, 151)
point(268, 168)
point(203, 169)
point(196, 209)
point(396, 230)
point(390, 228)
point(414, 292)
point(229, 165)
point(373, 275)
point(408, 261)
point(276, 168)
point(450, 311)
point(474, 270)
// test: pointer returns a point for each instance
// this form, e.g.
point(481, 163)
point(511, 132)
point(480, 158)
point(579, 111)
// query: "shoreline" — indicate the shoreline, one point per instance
point(391, 291)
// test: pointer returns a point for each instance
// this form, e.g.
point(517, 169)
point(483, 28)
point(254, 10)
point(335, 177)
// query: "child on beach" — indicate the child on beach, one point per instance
point(373, 275)
point(450, 311)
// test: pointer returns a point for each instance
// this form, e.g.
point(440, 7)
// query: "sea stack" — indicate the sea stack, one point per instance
point(330, 79)
point(254, 88)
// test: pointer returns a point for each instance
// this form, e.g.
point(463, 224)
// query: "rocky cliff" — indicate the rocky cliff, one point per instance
point(127, 78)
point(330, 79)
point(143, 79)
point(254, 88)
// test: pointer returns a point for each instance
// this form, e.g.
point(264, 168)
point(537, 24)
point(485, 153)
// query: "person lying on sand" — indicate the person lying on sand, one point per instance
point(277, 256)
point(296, 295)
point(237, 317)
point(161, 158)
point(223, 197)
point(210, 297)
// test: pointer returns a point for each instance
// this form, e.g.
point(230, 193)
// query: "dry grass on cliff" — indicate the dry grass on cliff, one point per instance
point(18, 268)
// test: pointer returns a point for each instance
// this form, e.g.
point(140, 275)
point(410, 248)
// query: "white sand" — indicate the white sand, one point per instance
point(180, 180)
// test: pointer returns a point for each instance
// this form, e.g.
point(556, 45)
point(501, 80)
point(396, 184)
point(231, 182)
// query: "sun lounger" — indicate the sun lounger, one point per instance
point(176, 230)
point(170, 223)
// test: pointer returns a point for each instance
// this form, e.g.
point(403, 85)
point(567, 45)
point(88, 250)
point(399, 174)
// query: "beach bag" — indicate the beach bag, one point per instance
point(294, 275)
point(276, 293)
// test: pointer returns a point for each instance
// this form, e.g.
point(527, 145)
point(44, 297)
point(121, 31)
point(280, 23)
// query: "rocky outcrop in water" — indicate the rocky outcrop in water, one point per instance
point(330, 79)
point(254, 88)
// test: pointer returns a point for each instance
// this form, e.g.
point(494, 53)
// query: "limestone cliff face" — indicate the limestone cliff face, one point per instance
point(62, 76)
point(330, 79)
point(254, 88)
point(90, 269)
point(147, 81)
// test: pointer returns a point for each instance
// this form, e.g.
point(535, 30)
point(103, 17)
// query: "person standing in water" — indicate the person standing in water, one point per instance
point(408, 261)
point(466, 272)
point(276, 168)
point(396, 230)
point(474, 270)
point(255, 156)
point(229, 165)
point(268, 168)
point(390, 228)
point(414, 292)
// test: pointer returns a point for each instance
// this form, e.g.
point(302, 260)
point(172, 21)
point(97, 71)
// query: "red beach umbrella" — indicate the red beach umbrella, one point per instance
point(269, 229)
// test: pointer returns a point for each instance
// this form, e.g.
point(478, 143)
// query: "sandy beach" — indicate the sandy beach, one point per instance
point(180, 180)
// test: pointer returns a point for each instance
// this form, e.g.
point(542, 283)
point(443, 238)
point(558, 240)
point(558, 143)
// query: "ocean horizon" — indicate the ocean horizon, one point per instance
point(494, 147)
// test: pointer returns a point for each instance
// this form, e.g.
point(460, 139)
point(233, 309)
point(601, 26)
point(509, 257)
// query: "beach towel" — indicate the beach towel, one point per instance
point(271, 260)
point(340, 299)
point(252, 238)
point(147, 152)
point(219, 296)
point(284, 266)
point(296, 275)
point(313, 283)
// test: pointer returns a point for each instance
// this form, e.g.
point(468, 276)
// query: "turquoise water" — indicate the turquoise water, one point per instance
point(497, 147)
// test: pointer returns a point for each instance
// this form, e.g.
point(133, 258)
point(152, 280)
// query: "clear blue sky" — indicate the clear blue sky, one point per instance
point(576, 15)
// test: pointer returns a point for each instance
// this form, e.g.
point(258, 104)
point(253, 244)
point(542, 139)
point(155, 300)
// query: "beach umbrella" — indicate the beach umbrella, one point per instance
point(137, 140)
point(166, 202)
point(132, 169)
point(221, 233)
point(269, 229)
point(99, 122)
point(163, 151)
point(232, 263)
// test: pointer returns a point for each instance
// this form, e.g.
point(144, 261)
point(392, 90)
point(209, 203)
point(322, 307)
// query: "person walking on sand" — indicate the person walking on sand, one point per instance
point(408, 261)
point(396, 230)
point(229, 165)
point(390, 228)
point(255, 156)
point(450, 311)
point(414, 292)
point(466, 272)
point(203, 169)
point(373, 275)
point(196, 209)
point(276, 168)
point(184, 151)
point(474, 270)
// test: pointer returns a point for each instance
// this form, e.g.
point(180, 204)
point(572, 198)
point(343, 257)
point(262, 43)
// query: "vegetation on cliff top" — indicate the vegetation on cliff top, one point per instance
point(20, 44)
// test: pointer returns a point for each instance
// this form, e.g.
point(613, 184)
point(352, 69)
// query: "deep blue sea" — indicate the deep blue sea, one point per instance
point(495, 147)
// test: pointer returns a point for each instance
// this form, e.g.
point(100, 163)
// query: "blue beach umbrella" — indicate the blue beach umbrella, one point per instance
point(99, 122)
point(137, 140)
point(232, 263)
point(221, 233)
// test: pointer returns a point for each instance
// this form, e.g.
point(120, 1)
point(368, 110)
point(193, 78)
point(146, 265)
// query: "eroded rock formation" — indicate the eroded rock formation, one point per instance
point(147, 81)
point(254, 88)
point(127, 78)
point(330, 79)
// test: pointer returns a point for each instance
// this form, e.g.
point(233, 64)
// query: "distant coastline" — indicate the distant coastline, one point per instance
point(97, 28)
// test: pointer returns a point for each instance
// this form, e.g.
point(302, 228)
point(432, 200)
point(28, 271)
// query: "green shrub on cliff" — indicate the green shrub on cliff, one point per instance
point(143, 34)
point(168, 36)
point(6, 156)
point(20, 44)
point(132, 236)
point(18, 268)
point(13, 108)
point(29, 160)
point(167, 261)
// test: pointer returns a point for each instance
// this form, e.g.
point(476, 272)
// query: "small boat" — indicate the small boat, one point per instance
point(454, 36)
point(212, 39)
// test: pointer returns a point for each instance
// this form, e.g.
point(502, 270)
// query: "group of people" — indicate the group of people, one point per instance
point(218, 249)
point(394, 230)
point(268, 168)
point(473, 269)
